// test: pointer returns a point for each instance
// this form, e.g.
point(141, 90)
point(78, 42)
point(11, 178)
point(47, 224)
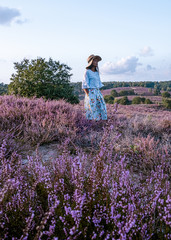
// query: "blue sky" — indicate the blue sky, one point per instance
point(132, 36)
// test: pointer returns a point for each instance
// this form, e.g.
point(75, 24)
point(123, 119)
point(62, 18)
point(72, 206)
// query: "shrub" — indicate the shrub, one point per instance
point(126, 92)
point(136, 100)
point(86, 197)
point(124, 101)
point(148, 101)
point(166, 94)
point(119, 189)
point(109, 99)
point(37, 121)
point(143, 99)
point(117, 100)
point(40, 78)
point(166, 103)
point(114, 93)
point(3, 88)
point(157, 92)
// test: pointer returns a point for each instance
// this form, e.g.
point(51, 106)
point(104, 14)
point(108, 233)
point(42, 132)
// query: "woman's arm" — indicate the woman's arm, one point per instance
point(86, 91)
point(85, 83)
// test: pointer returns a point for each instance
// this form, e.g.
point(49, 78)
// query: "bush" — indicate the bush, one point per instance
point(136, 100)
point(114, 93)
point(124, 101)
point(166, 103)
point(126, 92)
point(148, 101)
point(157, 92)
point(166, 94)
point(85, 197)
point(143, 99)
point(3, 88)
point(119, 189)
point(109, 99)
point(38, 121)
point(41, 78)
point(117, 100)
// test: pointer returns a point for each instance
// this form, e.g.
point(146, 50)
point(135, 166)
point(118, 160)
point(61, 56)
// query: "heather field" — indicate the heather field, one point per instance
point(143, 91)
point(64, 177)
point(154, 99)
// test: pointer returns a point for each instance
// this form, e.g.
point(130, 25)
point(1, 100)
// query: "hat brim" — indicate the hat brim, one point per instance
point(94, 57)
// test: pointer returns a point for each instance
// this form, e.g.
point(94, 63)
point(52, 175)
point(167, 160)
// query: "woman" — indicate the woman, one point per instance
point(95, 106)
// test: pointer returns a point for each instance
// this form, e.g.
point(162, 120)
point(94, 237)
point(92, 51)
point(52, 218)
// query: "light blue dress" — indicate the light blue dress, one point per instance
point(95, 107)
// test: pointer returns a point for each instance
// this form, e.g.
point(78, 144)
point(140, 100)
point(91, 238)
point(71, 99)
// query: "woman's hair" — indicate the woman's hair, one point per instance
point(97, 69)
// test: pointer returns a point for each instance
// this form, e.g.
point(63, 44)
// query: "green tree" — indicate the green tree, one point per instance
point(149, 84)
point(136, 100)
point(142, 99)
point(166, 94)
point(124, 101)
point(114, 93)
point(150, 90)
point(126, 92)
point(109, 99)
point(117, 100)
point(166, 103)
point(3, 88)
point(148, 101)
point(157, 92)
point(41, 78)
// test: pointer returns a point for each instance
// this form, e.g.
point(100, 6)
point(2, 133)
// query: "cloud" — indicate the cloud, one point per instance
point(146, 52)
point(149, 67)
point(125, 65)
point(7, 15)
point(19, 21)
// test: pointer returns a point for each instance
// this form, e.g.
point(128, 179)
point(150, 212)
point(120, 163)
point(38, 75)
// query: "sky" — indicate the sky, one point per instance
point(133, 37)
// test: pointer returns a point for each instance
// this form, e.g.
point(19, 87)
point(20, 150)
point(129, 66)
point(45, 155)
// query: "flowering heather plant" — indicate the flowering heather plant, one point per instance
point(109, 180)
point(37, 121)
point(138, 90)
point(70, 199)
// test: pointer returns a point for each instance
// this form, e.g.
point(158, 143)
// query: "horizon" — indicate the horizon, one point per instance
point(133, 38)
point(117, 81)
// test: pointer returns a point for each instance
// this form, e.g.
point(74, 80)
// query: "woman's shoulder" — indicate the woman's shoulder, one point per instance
point(89, 71)
point(86, 72)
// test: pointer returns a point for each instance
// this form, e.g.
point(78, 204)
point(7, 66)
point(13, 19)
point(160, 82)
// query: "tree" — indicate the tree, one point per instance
point(42, 78)
point(149, 84)
point(148, 101)
point(157, 91)
point(166, 94)
point(124, 101)
point(114, 93)
point(3, 88)
point(142, 99)
point(109, 99)
point(117, 100)
point(166, 103)
point(126, 92)
point(136, 100)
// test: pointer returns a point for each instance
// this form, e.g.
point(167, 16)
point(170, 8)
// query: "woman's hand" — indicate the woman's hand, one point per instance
point(86, 91)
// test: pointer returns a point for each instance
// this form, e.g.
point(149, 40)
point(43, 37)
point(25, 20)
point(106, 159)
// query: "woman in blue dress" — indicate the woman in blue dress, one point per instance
point(95, 107)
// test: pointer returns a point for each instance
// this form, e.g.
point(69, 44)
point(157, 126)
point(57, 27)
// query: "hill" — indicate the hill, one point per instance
point(62, 176)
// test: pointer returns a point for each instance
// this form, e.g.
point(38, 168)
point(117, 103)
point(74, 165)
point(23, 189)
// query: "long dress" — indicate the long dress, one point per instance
point(95, 107)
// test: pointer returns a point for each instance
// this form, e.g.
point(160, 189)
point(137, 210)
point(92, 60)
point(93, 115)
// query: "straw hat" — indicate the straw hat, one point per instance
point(91, 58)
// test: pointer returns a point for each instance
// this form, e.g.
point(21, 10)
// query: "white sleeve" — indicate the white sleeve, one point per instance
point(100, 82)
point(85, 82)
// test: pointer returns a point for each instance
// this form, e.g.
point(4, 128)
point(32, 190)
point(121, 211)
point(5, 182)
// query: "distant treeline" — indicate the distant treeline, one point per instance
point(163, 85)
point(3, 88)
